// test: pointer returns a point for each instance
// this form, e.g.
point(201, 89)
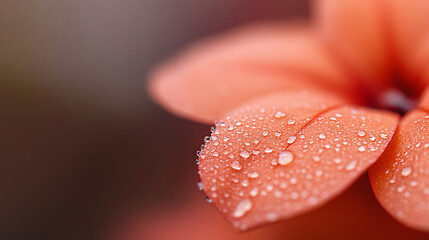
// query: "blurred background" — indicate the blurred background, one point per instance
point(82, 144)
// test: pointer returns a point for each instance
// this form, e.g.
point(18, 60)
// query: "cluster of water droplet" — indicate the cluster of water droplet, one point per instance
point(278, 156)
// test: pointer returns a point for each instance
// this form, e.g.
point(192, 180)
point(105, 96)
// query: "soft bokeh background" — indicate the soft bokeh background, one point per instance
point(81, 143)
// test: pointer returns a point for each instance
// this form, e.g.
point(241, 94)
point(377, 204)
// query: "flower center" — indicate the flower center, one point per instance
point(398, 99)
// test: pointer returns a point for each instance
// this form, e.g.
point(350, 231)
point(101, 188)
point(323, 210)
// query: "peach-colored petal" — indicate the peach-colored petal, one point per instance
point(353, 215)
point(408, 31)
point(354, 31)
point(213, 77)
point(387, 42)
point(287, 153)
point(400, 178)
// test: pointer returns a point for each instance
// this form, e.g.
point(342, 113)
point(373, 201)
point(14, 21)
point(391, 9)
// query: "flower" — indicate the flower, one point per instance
point(303, 111)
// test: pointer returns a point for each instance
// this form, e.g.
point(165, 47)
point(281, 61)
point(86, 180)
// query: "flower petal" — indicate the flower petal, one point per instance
point(213, 77)
point(386, 41)
point(354, 31)
point(408, 32)
point(289, 152)
point(400, 179)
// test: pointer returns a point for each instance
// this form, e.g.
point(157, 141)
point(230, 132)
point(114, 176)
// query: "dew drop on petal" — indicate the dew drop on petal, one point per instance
point(322, 136)
point(279, 114)
point(245, 154)
point(383, 135)
point(243, 207)
point(254, 192)
point(291, 122)
point(253, 175)
point(361, 133)
point(236, 165)
point(351, 165)
point(406, 171)
point(291, 139)
point(338, 160)
point(361, 149)
point(285, 158)
point(268, 150)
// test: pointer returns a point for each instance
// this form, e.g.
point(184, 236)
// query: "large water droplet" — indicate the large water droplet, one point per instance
point(245, 154)
point(322, 136)
point(236, 165)
point(285, 158)
point(279, 114)
point(243, 207)
point(406, 171)
point(291, 139)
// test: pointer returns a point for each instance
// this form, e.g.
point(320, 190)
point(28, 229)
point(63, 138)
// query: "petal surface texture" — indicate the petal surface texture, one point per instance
point(353, 30)
point(213, 77)
point(287, 153)
point(385, 42)
point(400, 179)
point(408, 30)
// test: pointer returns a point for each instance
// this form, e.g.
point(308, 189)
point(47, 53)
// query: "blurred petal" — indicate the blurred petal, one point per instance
point(213, 77)
point(408, 31)
point(385, 41)
point(287, 153)
point(339, 219)
point(354, 31)
point(400, 179)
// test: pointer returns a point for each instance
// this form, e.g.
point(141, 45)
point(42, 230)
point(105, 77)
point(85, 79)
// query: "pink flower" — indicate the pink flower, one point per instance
point(295, 114)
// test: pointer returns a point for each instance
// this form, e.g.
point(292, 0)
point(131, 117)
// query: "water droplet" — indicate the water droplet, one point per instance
point(291, 121)
point(238, 123)
point(245, 183)
point(322, 136)
point(243, 207)
point(245, 154)
point(338, 160)
point(236, 165)
point(200, 186)
point(383, 135)
point(253, 174)
point(361, 148)
point(361, 133)
point(406, 171)
point(291, 139)
point(372, 138)
point(264, 133)
point(285, 158)
point(293, 180)
point(351, 165)
point(254, 192)
point(279, 114)
point(277, 134)
point(268, 150)
point(316, 158)
point(401, 188)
